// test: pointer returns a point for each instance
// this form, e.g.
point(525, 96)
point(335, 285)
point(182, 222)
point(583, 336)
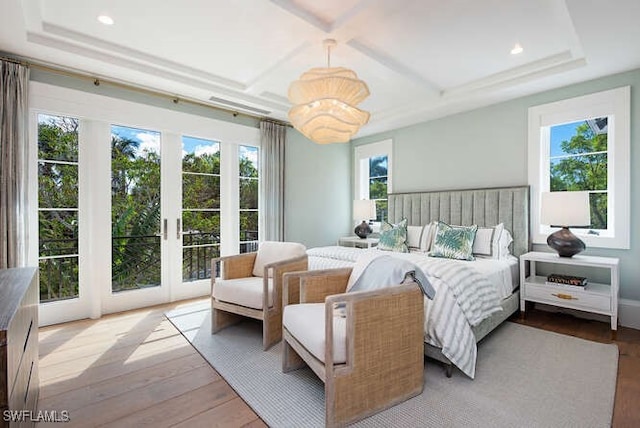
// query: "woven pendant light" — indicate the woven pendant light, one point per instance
point(325, 101)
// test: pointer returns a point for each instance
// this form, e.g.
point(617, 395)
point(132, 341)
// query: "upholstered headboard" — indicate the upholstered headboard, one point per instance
point(484, 207)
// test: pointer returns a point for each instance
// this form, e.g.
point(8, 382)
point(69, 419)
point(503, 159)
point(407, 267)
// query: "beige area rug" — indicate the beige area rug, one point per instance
point(525, 377)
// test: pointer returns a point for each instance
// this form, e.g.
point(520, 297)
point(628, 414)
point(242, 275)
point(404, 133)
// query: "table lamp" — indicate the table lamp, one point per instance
point(364, 209)
point(564, 210)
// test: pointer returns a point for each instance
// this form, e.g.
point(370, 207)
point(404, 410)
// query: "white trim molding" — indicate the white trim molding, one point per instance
point(629, 313)
point(614, 104)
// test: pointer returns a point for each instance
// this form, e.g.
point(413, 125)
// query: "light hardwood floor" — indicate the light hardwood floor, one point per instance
point(135, 369)
point(130, 370)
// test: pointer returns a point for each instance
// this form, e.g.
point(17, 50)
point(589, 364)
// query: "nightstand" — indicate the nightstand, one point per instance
point(594, 297)
point(356, 241)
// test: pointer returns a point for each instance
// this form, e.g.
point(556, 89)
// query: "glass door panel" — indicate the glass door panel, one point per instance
point(378, 175)
point(58, 207)
point(135, 209)
point(200, 207)
point(248, 176)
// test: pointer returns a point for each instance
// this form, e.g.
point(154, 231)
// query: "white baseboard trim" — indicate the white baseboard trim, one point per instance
point(628, 313)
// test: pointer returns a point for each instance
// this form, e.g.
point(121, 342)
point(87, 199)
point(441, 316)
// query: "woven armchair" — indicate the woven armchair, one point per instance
point(371, 359)
point(250, 285)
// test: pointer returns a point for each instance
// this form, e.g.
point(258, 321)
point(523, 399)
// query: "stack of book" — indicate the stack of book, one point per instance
point(557, 279)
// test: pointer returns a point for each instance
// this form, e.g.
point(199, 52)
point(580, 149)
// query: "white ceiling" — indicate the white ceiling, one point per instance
point(421, 59)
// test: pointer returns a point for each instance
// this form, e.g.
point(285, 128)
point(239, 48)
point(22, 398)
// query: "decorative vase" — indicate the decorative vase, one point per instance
point(363, 230)
point(565, 243)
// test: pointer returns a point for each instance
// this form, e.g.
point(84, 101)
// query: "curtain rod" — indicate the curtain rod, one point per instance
point(131, 87)
point(13, 60)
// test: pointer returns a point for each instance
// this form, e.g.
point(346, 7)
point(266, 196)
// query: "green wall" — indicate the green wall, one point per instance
point(487, 147)
point(317, 191)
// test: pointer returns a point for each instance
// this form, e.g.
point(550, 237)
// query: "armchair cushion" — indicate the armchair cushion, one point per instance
point(243, 291)
point(306, 323)
point(272, 251)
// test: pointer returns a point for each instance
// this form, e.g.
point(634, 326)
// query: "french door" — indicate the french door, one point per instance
point(132, 221)
point(130, 202)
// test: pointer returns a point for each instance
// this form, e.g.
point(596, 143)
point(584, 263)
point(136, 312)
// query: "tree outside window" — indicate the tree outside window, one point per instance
point(248, 189)
point(200, 207)
point(578, 162)
point(378, 167)
point(58, 207)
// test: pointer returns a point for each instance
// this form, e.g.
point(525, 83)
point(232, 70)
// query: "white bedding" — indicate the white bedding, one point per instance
point(455, 309)
point(501, 272)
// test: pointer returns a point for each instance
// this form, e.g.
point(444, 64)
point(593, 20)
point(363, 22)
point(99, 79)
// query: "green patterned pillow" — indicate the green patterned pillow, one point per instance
point(454, 242)
point(393, 237)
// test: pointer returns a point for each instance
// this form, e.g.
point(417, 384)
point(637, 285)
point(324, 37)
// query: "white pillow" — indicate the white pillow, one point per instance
point(505, 240)
point(272, 251)
point(413, 237)
point(428, 235)
point(492, 242)
point(487, 241)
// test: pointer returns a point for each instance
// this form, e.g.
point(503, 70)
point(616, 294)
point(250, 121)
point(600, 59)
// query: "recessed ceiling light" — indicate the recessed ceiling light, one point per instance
point(105, 19)
point(516, 49)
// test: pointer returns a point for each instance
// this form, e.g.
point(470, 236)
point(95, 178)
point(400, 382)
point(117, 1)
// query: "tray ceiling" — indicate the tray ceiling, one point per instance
point(422, 59)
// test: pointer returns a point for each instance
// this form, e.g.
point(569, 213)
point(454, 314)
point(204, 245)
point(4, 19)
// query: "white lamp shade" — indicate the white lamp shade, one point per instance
point(567, 209)
point(364, 209)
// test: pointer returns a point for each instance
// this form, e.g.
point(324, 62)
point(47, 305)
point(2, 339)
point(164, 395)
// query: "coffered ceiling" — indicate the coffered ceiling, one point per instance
point(422, 59)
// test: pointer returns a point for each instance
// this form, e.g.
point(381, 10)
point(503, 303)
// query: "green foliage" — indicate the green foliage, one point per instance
point(584, 169)
point(378, 166)
point(378, 173)
point(58, 199)
point(201, 182)
point(135, 214)
point(205, 164)
point(247, 168)
point(249, 191)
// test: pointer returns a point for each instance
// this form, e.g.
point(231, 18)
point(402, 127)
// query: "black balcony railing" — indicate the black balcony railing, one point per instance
point(248, 241)
point(136, 262)
point(198, 248)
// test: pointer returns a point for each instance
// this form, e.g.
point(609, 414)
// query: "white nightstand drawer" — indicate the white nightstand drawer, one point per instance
point(564, 296)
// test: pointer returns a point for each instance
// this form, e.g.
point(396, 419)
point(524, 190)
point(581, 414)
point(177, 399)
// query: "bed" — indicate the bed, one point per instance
point(483, 207)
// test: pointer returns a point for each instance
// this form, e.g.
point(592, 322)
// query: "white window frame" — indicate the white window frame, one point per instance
point(614, 104)
point(361, 156)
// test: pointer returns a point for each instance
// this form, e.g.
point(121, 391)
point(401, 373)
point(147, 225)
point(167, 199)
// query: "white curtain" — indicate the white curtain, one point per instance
point(273, 137)
point(14, 80)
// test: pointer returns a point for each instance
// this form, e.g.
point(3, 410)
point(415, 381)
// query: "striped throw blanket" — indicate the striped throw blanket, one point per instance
point(464, 298)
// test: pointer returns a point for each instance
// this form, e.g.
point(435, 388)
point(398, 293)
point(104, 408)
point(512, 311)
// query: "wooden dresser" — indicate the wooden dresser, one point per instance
point(19, 382)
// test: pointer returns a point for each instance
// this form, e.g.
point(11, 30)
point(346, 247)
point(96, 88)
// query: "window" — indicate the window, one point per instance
point(373, 175)
point(58, 207)
point(248, 192)
point(582, 144)
point(378, 178)
point(578, 161)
